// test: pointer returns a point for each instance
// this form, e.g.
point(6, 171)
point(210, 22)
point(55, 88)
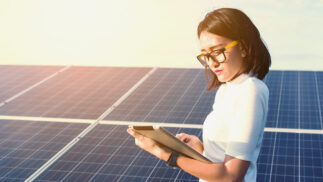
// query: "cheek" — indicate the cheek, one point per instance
point(235, 61)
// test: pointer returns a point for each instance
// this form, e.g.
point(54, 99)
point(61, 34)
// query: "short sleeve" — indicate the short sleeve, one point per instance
point(248, 122)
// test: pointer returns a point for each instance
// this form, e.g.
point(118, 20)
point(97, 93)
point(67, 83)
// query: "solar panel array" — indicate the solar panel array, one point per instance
point(79, 92)
point(27, 145)
point(168, 96)
point(290, 157)
point(39, 123)
point(107, 154)
point(14, 79)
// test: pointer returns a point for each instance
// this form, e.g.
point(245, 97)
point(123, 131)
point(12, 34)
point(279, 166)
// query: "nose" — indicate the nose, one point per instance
point(213, 64)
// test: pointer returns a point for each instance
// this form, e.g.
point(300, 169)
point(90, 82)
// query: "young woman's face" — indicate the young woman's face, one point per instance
point(234, 56)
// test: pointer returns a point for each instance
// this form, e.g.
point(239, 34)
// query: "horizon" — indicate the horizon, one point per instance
point(157, 34)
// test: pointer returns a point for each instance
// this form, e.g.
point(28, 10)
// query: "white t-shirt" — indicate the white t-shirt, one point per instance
point(236, 124)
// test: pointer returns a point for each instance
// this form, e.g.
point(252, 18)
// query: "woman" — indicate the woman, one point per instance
point(232, 50)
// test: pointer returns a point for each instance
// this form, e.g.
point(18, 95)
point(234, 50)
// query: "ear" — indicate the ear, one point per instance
point(242, 51)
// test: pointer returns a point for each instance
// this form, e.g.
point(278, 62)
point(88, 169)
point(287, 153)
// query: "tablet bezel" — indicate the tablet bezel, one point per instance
point(163, 137)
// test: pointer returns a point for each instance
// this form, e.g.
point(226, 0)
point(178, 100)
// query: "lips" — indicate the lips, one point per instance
point(218, 72)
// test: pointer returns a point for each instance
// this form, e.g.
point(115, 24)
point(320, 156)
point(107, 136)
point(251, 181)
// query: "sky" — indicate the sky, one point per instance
point(146, 33)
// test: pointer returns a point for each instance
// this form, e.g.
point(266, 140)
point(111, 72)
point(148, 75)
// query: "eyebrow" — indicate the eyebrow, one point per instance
point(213, 47)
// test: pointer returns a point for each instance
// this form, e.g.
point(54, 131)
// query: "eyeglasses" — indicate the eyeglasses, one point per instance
point(217, 55)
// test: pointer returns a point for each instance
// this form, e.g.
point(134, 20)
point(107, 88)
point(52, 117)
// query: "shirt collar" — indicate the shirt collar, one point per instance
point(242, 77)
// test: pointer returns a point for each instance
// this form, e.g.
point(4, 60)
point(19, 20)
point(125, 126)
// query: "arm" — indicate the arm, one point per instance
point(232, 169)
point(243, 138)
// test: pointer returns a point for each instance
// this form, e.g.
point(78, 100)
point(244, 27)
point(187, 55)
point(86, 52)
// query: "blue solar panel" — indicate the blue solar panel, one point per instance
point(273, 81)
point(294, 100)
point(309, 101)
point(169, 95)
point(79, 92)
point(26, 145)
point(108, 153)
point(14, 79)
point(289, 102)
point(319, 82)
point(291, 157)
point(311, 160)
point(178, 96)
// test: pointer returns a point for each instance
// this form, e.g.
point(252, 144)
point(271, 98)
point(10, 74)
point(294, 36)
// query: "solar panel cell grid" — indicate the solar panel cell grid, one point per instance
point(273, 81)
point(265, 157)
point(311, 159)
point(319, 87)
point(293, 99)
point(24, 145)
point(285, 158)
point(169, 95)
point(79, 92)
point(110, 154)
point(14, 79)
point(288, 111)
point(309, 110)
point(290, 157)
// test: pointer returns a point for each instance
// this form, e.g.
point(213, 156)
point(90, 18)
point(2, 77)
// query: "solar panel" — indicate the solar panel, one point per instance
point(291, 157)
point(14, 79)
point(26, 145)
point(319, 87)
point(274, 84)
point(176, 96)
point(309, 111)
point(311, 161)
point(79, 92)
point(319, 82)
point(294, 100)
point(108, 153)
point(169, 95)
point(288, 111)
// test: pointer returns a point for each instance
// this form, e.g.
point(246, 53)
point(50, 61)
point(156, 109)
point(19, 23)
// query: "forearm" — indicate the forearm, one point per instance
point(232, 169)
point(206, 171)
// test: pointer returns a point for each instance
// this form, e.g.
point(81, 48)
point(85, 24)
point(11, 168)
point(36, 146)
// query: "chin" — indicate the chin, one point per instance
point(221, 78)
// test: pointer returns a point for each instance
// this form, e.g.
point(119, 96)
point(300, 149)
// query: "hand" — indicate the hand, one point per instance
point(150, 145)
point(192, 141)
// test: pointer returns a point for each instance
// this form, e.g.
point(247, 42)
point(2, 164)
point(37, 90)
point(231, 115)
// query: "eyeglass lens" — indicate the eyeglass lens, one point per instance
point(208, 59)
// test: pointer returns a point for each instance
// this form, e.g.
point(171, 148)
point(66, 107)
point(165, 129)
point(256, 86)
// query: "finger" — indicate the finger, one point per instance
point(137, 142)
point(186, 140)
point(184, 137)
point(133, 133)
point(130, 131)
point(179, 135)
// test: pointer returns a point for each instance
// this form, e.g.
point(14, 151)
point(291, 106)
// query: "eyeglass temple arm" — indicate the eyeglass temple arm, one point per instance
point(231, 45)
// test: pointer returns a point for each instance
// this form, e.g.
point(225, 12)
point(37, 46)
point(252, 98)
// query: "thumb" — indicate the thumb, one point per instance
point(180, 136)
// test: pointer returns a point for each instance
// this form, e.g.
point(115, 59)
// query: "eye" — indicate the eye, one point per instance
point(215, 53)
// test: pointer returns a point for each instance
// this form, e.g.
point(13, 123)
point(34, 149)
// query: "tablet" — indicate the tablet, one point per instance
point(163, 137)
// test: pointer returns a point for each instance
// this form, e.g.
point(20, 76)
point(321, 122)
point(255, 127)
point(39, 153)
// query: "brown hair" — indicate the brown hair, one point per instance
point(236, 25)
